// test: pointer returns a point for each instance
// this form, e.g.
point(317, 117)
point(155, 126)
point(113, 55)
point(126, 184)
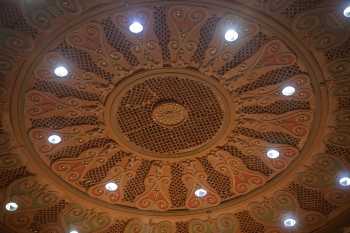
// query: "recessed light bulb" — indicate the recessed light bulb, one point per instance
point(288, 91)
point(54, 139)
point(231, 35)
point(344, 181)
point(111, 186)
point(61, 71)
point(200, 193)
point(347, 12)
point(11, 206)
point(136, 27)
point(273, 154)
point(74, 231)
point(289, 222)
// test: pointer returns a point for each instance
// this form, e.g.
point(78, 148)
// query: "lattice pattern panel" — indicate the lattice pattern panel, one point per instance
point(248, 224)
point(46, 216)
point(342, 51)
point(206, 35)
point(7, 176)
point(83, 60)
point(252, 162)
point(300, 6)
point(177, 189)
point(271, 78)
point(136, 185)
point(119, 41)
point(205, 115)
point(248, 50)
point(94, 176)
point(182, 227)
point(59, 122)
point(272, 137)
point(162, 31)
point(75, 151)
point(278, 107)
point(62, 91)
point(310, 199)
point(339, 151)
point(118, 227)
point(217, 180)
point(12, 17)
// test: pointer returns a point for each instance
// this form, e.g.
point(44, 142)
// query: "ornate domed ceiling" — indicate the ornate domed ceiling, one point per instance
point(259, 124)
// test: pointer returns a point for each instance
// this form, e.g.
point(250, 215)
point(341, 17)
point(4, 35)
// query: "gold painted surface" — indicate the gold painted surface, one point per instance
point(171, 110)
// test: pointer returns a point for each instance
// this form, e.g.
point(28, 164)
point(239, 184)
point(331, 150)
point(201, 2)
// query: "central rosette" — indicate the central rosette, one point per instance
point(168, 112)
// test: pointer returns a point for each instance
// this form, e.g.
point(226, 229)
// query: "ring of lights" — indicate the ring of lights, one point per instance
point(21, 134)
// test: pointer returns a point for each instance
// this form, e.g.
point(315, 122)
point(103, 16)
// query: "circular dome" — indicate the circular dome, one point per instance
point(198, 112)
point(175, 128)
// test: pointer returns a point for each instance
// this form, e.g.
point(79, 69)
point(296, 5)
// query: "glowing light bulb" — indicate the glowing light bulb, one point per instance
point(347, 12)
point(11, 206)
point(200, 193)
point(111, 186)
point(344, 181)
point(231, 35)
point(289, 222)
point(288, 91)
point(61, 71)
point(54, 139)
point(273, 154)
point(136, 27)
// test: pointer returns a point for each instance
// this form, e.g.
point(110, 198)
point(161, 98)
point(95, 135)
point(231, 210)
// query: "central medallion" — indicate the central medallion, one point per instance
point(171, 112)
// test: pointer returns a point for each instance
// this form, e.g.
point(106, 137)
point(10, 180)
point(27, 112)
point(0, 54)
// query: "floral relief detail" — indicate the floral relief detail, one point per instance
point(234, 89)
